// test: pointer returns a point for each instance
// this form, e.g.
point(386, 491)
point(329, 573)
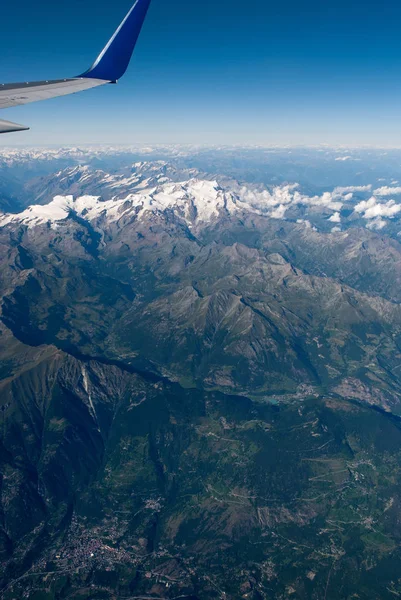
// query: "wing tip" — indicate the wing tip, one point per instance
point(9, 127)
point(114, 59)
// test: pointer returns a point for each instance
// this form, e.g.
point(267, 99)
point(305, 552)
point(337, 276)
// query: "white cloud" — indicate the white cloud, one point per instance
point(383, 210)
point(279, 212)
point(336, 218)
point(376, 224)
point(372, 209)
point(387, 191)
point(346, 158)
point(365, 205)
point(265, 199)
point(335, 229)
point(326, 200)
point(288, 195)
point(276, 201)
point(305, 222)
point(352, 188)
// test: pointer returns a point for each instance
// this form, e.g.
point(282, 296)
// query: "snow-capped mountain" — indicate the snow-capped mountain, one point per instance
point(196, 198)
point(87, 180)
point(277, 183)
point(193, 201)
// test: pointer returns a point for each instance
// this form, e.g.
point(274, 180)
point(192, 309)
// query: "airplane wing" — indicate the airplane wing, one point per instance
point(109, 66)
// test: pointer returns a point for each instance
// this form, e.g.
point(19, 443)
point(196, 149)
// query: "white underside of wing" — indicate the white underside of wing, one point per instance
point(24, 93)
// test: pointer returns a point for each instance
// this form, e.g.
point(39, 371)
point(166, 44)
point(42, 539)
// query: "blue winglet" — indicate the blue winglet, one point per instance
point(113, 61)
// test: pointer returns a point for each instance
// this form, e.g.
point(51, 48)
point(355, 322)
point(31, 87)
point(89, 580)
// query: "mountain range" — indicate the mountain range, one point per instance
point(200, 380)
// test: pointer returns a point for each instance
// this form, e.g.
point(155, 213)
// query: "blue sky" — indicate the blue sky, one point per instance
point(213, 72)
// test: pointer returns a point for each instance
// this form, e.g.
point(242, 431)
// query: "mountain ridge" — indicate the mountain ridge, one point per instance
point(199, 387)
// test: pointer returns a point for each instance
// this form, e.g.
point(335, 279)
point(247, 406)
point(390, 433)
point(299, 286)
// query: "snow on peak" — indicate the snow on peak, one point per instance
point(196, 200)
point(39, 214)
